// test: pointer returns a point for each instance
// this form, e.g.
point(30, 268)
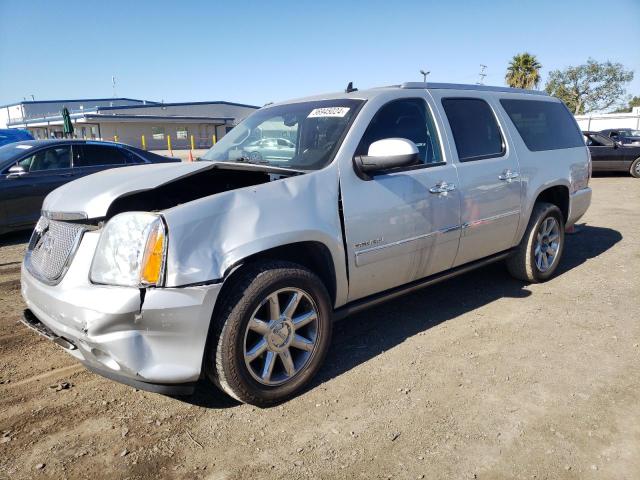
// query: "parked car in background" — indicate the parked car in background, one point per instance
point(275, 149)
point(625, 136)
point(30, 170)
point(11, 135)
point(609, 156)
point(234, 271)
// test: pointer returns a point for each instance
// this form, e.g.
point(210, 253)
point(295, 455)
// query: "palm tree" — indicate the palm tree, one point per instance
point(523, 71)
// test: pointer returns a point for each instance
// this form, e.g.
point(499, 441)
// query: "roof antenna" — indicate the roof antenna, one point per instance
point(350, 88)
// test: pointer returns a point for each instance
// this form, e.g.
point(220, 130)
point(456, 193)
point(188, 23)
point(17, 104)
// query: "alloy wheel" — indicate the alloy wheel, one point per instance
point(281, 336)
point(547, 244)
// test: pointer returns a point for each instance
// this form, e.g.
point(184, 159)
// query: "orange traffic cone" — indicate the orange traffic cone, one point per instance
point(190, 155)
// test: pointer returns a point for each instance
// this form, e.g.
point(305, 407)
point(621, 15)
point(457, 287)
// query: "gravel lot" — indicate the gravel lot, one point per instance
point(478, 377)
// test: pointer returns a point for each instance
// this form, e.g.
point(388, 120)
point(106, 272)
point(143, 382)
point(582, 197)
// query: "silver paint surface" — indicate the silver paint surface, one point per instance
point(396, 231)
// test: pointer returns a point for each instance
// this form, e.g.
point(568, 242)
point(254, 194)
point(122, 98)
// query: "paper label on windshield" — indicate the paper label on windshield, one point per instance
point(24, 147)
point(328, 112)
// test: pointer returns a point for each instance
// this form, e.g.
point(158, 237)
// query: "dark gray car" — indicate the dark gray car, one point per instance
point(30, 170)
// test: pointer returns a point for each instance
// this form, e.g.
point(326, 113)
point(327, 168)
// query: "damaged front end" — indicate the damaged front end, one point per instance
point(128, 286)
point(136, 335)
point(94, 281)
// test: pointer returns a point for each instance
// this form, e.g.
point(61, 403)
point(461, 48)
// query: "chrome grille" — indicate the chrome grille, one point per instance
point(51, 248)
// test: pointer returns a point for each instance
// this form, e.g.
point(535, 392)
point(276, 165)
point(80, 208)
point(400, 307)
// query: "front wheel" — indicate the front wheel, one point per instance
point(272, 333)
point(538, 255)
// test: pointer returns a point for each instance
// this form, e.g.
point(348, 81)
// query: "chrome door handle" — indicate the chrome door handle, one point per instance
point(508, 175)
point(442, 187)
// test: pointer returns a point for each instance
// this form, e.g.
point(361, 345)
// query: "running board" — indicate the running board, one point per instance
point(378, 298)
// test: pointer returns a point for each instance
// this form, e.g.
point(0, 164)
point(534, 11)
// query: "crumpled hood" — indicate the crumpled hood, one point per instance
point(94, 194)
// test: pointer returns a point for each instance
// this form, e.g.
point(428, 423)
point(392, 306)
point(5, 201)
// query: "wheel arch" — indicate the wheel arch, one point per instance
point(311, 254)
point(556, 194)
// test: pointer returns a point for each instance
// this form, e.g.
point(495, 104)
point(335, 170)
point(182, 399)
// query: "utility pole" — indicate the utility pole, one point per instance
point(424, 75)
point(113, 84)
point(483, 68)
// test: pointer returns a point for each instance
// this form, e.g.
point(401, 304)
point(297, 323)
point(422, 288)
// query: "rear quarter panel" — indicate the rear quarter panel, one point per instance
point(540, 170)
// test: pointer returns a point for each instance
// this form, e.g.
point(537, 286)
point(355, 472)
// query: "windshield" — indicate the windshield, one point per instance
point(630, 133)
point(301, 136)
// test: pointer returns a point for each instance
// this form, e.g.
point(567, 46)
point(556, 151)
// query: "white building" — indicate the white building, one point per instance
point(602, 121)
point(141, 123)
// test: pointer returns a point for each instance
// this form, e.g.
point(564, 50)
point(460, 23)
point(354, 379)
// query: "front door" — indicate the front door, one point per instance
point(23, 195)
point(605, 154)
point(401, 225)
point(489, 179)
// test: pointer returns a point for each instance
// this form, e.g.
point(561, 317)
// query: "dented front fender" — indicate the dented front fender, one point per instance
point(210, 235)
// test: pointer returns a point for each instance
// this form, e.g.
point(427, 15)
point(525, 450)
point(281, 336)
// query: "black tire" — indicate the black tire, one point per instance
point(225, 360)
point(522, 265)
point(635, 168)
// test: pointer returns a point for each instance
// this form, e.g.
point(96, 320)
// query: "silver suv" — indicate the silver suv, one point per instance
point(233, 268)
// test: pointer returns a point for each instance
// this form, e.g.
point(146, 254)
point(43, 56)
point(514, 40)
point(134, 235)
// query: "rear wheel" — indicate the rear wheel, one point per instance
point(635, 168)
point(538, 255)
point(272, 333)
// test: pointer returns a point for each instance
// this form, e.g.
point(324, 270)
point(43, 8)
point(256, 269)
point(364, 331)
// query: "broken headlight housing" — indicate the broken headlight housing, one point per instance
point(131, 251)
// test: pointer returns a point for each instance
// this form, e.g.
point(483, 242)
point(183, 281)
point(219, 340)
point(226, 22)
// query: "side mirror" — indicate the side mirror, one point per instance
point(386, 154)
point(16, 171)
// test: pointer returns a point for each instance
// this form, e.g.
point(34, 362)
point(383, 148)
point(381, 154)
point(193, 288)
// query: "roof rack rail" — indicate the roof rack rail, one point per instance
point(461, 86)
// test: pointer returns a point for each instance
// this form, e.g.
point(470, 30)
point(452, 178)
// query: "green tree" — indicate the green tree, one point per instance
point(523, 71)
point(634, 102)
point(590, 87)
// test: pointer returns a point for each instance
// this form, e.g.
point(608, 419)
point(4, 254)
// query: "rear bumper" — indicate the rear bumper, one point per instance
point(154, 343)
point(579, 202)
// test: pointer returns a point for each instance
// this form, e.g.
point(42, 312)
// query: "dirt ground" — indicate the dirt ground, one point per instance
point(478, 377)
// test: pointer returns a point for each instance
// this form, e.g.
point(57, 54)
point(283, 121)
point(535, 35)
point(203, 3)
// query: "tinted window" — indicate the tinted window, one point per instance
point(406, 118)
point(95, 155)
point(48, 159)
point(543, 125)
point(474, 128)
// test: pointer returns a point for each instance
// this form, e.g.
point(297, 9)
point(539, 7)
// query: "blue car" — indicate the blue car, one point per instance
point(10, 135)
point(30, 170)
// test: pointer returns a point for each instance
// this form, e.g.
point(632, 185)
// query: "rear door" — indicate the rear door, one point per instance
point(94, 157)
point(490, 186)
point(47, 169)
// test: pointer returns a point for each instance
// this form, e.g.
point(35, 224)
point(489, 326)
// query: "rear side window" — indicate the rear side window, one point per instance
point(543, 125)
point(96, 155)
point(474, 128)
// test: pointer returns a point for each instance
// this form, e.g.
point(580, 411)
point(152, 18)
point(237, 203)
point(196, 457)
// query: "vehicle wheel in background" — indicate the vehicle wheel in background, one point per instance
point(635, 168)
point(539, 253)
point(272, 333)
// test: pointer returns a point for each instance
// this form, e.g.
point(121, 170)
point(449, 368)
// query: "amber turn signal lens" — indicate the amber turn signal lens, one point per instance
point(153, 255)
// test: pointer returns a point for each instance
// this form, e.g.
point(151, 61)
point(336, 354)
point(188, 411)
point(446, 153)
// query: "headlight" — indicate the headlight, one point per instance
point(131, 251)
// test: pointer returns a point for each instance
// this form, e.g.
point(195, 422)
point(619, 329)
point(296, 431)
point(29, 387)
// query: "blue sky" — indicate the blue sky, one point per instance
point(257, 52)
